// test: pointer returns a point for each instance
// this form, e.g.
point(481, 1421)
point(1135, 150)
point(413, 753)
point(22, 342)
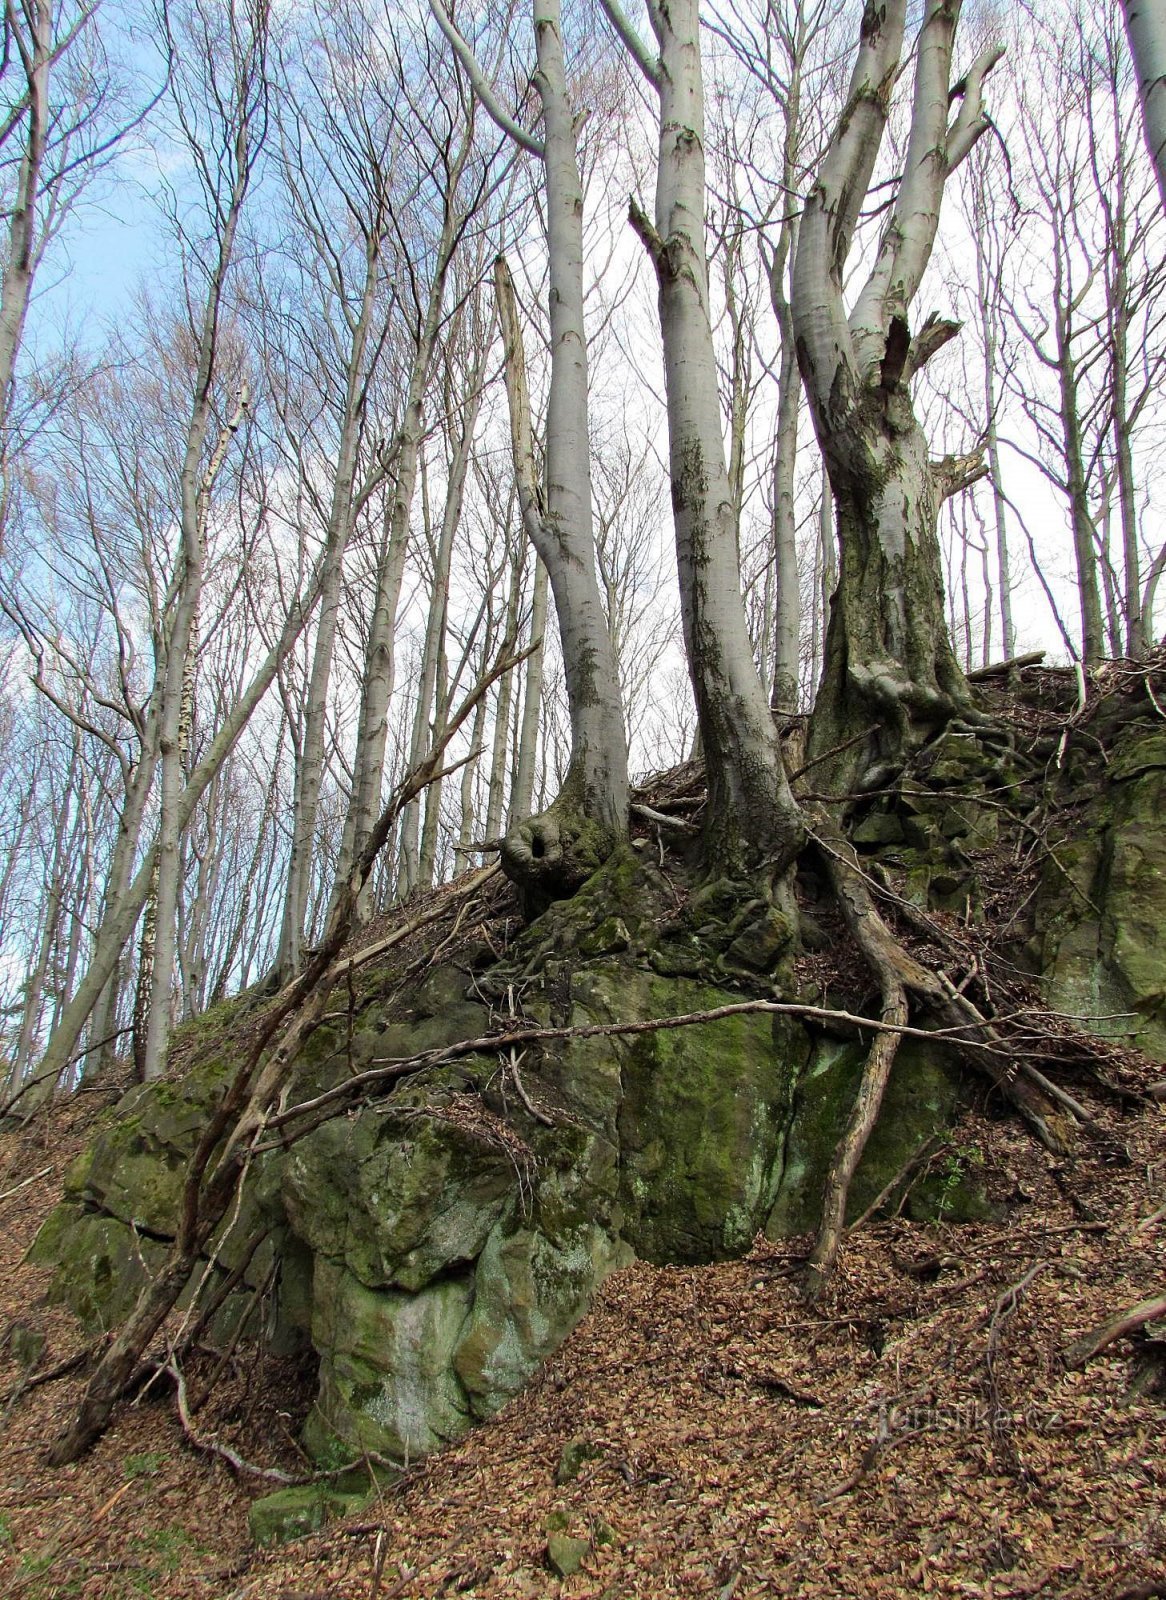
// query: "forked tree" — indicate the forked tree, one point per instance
point(889, 662)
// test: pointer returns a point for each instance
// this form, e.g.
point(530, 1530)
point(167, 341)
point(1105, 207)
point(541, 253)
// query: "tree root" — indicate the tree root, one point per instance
point(550, 856)
point(894, 969)
point(1126, 1322)
point(1049, 1112)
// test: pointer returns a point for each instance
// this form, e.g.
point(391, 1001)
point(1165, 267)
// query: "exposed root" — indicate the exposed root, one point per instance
point(894, 968)
point(1126, 1322)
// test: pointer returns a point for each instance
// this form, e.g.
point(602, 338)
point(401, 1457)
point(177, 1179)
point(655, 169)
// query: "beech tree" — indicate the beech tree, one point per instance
point(1146, 28)
point(889, 661)
point(752, 820)
point(555, 851)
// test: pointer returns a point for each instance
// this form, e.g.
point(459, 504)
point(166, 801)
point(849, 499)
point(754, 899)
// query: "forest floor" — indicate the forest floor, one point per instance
point(917, 1431)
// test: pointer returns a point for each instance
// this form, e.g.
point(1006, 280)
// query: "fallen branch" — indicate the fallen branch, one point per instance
point(389, 1069)
point(1126, 1322)
point(1000, 669)
point(8, 1193)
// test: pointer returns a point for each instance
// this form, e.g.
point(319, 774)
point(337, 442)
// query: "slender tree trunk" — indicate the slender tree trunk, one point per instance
point(310, 768)
point(409, 872)
point(22, 238)
point(992, 451)
point(496, 792)
point(752, 817)
point(1084, 541)
point(787, 626)
point(522, 792)
point(380, 656)
point(553, 853)
point(1146, 27)
point(121, 918)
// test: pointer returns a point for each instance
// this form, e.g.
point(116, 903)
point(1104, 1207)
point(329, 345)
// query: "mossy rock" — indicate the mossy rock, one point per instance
point(921, 1101)
point(294, 1513)
point(387, 1379)
point(394, 1198)
point(1101, 906)
point(528, 1295)
point(101, 1264)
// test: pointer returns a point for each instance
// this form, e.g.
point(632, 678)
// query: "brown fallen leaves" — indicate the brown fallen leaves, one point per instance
point(917, 1432)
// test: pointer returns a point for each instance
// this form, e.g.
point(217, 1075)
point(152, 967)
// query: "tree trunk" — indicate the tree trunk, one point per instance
point(752, 820)
point(553, 853)
point(889, 661)
point(310, 768)
point(1146, 27)
point(522, 791)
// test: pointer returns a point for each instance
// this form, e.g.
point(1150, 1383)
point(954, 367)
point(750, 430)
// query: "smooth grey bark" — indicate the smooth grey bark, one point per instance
point(553, 853)
point(1146, 29)
point(987, 308)
point(522, 792)
point(500, 749)
point(177, 700)
point(36, 54)
point(752, 821)
point(464, 413)
point(889, 661)
point(310, 766)
point(589, 817)
point(238, 126)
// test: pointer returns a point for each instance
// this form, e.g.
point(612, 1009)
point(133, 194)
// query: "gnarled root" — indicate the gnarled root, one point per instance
point(899, 977)
point(895, 970)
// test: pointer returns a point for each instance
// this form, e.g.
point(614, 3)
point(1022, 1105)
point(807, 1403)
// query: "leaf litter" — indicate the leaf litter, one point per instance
point(916, 1431)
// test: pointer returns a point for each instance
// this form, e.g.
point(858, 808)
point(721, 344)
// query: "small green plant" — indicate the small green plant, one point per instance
point(952, 1172)
point(6, 1539)
point(167, 1546)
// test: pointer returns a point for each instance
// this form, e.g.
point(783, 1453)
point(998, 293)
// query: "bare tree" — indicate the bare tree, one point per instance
point(889, 662)
point(752, 820)
point(553, 853)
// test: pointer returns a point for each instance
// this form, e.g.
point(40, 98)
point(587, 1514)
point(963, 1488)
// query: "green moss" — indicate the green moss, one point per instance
point(920, 1101)
point(294, 1513)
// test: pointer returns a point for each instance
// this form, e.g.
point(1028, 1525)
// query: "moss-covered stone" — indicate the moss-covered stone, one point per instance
point(1101, 906)
point(700, 1121)
point(566, 1554)
point(396, 1198)
point(573, 1457)
point(294, 1513)
point(528, 1295)
point(387, 1377)
point(920, 1101)
point(101, 1264)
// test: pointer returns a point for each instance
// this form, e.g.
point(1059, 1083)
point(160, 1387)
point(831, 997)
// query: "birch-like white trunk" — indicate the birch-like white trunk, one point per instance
point(564, 536)
point(752, 816)
point(1146, 29)
point(522, 793)
point(556, 851)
